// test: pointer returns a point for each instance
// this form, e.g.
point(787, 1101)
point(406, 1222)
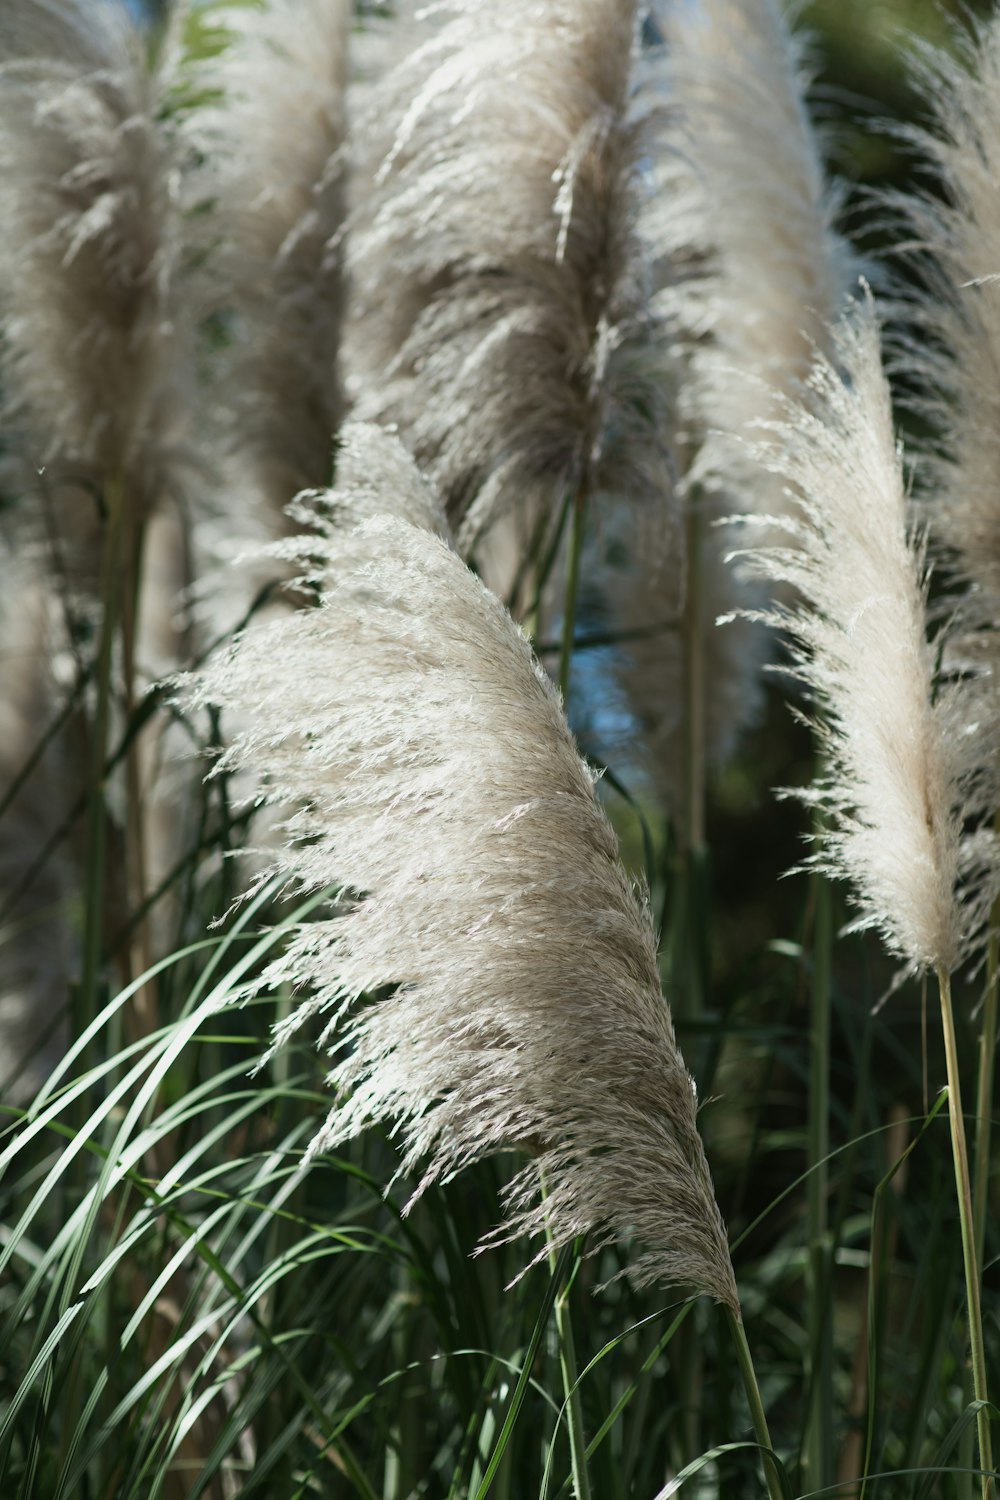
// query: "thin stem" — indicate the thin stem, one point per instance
point(960, 1157)
point(981, 1149)
point(139, 955)
point(984, 1090)
point(572, 589)
point(819, 1441)
point(568, 1367)
point(40, 746)
point(570, 1377)
point(694, 688)
point(693, 930)
point(97, 815)
point(529, 623)
point(772, 1475)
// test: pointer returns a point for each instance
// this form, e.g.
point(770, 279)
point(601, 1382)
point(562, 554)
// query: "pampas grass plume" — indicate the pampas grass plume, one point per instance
point(89, 248)
point(429, 770)
point(904, 768)
point(744, 223)
point(270, 139)
point(762, 280)
point(953, 238)
point(502, 314)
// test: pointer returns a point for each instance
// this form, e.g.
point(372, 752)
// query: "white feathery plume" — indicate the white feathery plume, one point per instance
point(502, 288)
point(954, 347)
point(749, 220)
point(268, 138)
point(757, 273)
point(89, 250)
point(432, 774)
point(903, 784)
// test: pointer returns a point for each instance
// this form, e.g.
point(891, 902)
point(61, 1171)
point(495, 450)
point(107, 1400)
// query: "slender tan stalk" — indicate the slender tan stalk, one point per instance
point(819, 1444)
point(970, 1260)
point(984, 1088)
point(564, 1321)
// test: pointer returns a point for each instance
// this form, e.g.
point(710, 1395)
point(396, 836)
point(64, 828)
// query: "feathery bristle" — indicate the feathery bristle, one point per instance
point(903, 778)
point(503, 291)
point(762, 273)
point(435, 777)
point(756, 275)
point(89, 247)
point(272, 176)
point(954, 346)
point(377, 477)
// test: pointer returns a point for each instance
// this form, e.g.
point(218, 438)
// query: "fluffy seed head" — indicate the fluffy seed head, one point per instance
point(752, 272)
point(903, 779)
point(954, 347)
point(88, 253)
point(431, 772)
point(271, 177)
point(503, 313)
point(762, 273)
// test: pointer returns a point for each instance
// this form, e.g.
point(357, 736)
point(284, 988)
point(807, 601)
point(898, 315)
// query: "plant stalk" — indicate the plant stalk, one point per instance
point(984, 1090)
point(570, 1376)
point(572, 590)
point(694, 687)
point(819, 1444)
point(574, 1409)
point(772, 1475)
point(970, 1261)
point(97, 813)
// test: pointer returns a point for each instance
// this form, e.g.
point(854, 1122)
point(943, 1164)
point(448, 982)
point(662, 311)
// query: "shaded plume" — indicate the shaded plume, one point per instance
point(502, 283)
point(268, 137)
point(952, 240)
point(88, 256)
point(761, 272)
point(752, 275)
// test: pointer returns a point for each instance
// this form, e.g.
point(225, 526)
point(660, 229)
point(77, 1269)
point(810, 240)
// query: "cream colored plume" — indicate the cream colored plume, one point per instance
point(88, 253)
point(954, 348)
point(271, 184)
point(753, 274)
point(502, 281)
point(427, 768)
point(903, 786)
point(749, 220)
